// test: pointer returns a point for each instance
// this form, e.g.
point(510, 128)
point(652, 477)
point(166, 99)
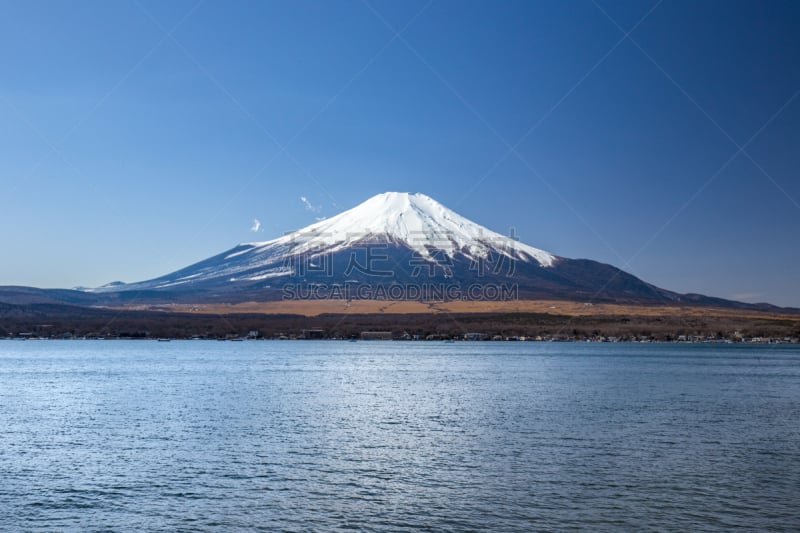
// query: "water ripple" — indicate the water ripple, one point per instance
point(311, 436)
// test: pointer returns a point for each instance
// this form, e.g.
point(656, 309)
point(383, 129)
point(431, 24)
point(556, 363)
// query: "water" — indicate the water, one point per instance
point(309, 436)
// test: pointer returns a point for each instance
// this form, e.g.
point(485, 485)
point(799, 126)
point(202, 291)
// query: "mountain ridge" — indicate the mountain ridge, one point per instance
point(394, 245)
point(414, 221)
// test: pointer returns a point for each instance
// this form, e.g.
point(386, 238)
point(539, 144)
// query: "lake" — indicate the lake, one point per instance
point(392, 436)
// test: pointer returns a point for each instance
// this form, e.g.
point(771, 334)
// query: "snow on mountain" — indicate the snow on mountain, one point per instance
point(415, 221)
point(405, 230)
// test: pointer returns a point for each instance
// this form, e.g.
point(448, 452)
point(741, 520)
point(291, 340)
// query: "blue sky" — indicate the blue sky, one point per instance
point(139, 137)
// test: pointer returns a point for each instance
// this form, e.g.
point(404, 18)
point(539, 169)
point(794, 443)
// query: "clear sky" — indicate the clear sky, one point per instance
point(137, 137)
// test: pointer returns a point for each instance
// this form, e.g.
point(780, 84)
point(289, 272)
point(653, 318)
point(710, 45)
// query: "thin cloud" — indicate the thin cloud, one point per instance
point(308, 205)
point(256, 227)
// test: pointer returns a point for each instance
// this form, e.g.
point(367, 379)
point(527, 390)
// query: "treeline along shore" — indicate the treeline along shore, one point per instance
point(55, 321)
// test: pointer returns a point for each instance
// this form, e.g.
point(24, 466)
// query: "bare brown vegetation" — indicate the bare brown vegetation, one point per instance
point(311, 308)
point(551, 319)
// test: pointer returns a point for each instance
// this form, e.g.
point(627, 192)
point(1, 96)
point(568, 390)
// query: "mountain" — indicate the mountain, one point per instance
point(395, 246)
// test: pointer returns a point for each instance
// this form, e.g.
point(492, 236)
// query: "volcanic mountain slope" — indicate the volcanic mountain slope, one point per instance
point(400, 246)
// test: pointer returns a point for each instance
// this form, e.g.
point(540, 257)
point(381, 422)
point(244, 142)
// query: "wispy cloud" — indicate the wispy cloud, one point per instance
point(309, 206)
point(256, 227)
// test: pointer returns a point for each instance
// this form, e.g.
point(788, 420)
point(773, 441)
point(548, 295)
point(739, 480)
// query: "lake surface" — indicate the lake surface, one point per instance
point(388, 436)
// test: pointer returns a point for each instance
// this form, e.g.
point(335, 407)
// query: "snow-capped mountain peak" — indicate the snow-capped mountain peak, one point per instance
point(392, 242)
point(411, 221)
point(415, 220)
